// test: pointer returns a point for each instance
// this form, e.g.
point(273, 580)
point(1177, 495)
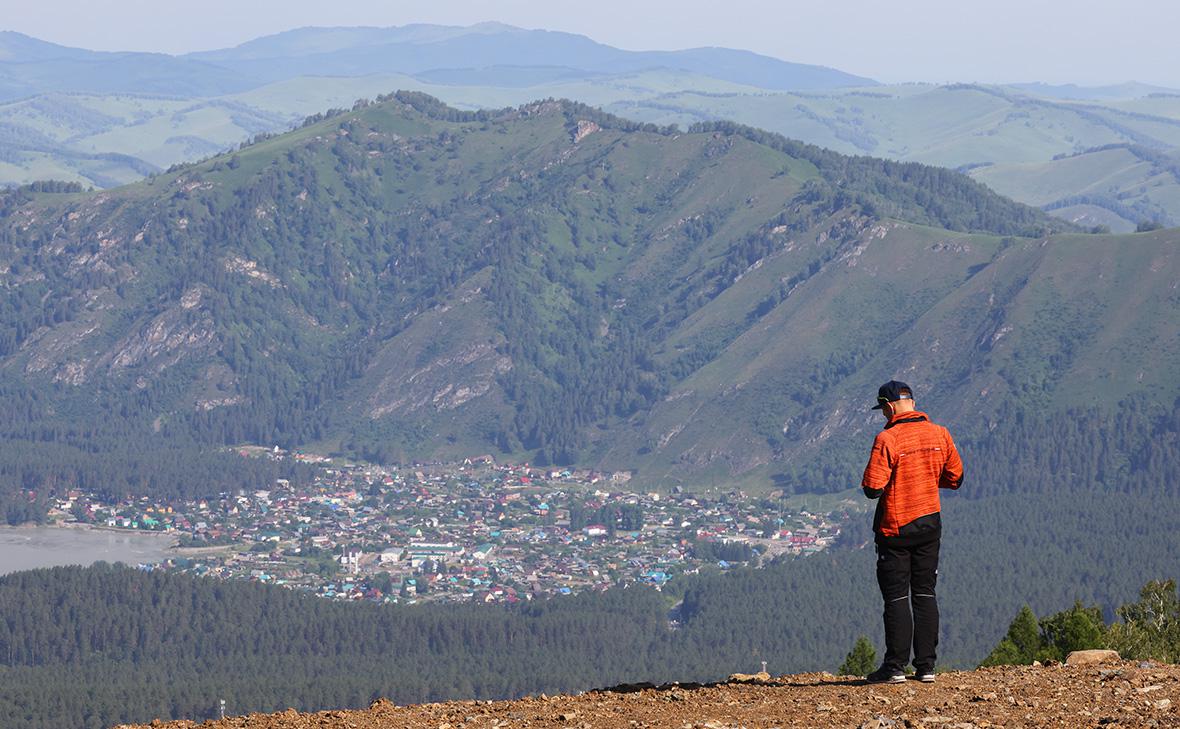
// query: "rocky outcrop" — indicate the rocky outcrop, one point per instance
point(163, 341)
point(447, 358)
point(237, 264)
point(443, 383)
point(181, 330)
point(585, 128)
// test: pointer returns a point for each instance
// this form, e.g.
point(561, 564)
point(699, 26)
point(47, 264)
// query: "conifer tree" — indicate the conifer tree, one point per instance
point(1079, 628)
point(1053, 638)
point(1004, 654)
point(1020, 645)
point(1025, 634)
point(861, 660)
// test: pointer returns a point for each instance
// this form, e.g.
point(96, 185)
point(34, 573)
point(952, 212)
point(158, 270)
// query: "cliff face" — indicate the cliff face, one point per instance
point(1126, 694)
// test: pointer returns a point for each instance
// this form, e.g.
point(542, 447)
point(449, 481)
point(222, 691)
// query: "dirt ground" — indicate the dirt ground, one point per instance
point(1123, 694)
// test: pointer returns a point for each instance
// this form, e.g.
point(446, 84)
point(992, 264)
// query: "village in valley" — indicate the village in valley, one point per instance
point(470, 531)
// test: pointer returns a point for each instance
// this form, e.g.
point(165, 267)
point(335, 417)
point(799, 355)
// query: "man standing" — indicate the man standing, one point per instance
point(912, 459)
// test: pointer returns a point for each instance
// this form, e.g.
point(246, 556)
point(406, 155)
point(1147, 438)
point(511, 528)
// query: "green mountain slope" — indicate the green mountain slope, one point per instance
point(111, 140)
point(980, 326)
point(406, 281)
point(62, 123)
point(1005, 137)
point(106, 140)
point(1119, 186)
point(105, 119)
point(1043, 151)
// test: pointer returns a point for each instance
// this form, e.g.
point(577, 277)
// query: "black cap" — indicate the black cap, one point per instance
point(893, 391)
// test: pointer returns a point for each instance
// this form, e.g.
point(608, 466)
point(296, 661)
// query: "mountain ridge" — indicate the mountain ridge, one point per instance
point(30, 66)
point(597, 283)
point(1008, 136)
point(62, 68)
point(109, 140)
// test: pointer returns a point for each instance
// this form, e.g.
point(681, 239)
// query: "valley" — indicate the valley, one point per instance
point(467, 364)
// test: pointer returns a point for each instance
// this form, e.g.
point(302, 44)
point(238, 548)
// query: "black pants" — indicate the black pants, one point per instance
point(907, 574)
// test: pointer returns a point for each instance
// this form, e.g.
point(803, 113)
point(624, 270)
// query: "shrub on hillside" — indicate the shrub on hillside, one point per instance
point(1149, 629)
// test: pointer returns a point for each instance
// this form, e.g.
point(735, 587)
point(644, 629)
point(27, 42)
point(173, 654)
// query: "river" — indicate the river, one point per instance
point(26, 548)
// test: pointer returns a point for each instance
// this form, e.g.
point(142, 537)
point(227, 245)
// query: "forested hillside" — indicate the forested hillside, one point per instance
point(405, 281)
point(91, 647)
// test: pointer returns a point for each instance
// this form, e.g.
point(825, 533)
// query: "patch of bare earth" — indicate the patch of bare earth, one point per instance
point(1123, 694)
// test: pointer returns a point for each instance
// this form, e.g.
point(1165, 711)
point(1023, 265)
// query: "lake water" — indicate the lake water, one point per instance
point(26, 548)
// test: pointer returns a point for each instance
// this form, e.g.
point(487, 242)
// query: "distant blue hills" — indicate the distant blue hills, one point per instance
point(29, 66)
point(483, 54)
point(1073, 92)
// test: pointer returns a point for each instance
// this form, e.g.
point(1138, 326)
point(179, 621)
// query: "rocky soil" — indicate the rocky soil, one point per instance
point(1119, 694)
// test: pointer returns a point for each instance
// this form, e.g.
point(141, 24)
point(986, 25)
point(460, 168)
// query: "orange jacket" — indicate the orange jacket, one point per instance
point(912, 459)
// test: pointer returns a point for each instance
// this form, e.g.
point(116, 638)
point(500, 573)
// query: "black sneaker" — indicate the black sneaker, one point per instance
point(886, 675)
point(923, 676)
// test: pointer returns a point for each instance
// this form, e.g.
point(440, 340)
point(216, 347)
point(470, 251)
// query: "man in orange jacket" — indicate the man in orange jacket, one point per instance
point(912, 459)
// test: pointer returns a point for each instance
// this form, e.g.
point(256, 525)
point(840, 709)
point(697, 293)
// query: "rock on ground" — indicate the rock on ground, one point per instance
point(1085, 658)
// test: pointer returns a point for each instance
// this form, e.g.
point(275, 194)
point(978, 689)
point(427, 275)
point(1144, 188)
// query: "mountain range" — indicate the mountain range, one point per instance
point(488, 51)
point(405, 280)
point(105, 119)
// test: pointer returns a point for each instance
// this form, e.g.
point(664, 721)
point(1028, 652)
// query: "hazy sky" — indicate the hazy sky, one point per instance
point(1057, 41)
